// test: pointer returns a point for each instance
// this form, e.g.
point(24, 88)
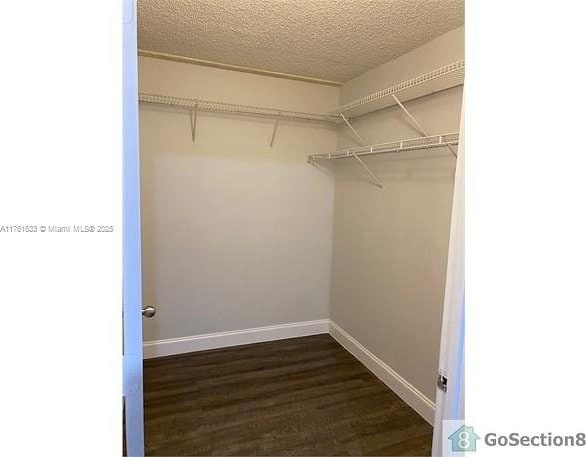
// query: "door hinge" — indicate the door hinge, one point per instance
point(442, 381)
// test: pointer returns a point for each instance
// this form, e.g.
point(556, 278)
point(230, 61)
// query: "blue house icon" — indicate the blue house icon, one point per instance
point(464, 439)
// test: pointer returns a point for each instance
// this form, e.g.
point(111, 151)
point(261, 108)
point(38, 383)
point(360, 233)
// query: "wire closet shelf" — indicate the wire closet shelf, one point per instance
point(442, 78)
point(195, 104)
point(415, 144)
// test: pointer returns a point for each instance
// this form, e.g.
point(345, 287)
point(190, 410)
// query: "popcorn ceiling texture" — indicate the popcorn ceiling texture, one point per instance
point(328, 39)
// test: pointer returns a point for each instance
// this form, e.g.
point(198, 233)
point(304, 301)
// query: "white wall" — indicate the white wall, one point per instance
point(390, 246)
point(235, 234)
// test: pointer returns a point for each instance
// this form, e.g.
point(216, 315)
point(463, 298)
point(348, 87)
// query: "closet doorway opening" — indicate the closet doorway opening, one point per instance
point(299, 167)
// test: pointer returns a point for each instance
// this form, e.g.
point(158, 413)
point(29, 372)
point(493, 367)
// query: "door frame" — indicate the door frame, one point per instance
point(131, 241)
point(449, 404)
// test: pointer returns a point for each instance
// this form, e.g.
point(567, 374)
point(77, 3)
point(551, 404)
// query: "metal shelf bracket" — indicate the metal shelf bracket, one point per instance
point(193, 118)
point(274, 132)
point(372, 175)
point(360, 161)
point(361, 140)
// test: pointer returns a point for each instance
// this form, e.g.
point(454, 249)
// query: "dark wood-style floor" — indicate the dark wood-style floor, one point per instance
point(303, 397)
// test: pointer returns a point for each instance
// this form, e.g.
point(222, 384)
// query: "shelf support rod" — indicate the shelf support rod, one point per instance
point(274, 132)
point(374, 178)
point(361, 140)
point(193, 118)
point(417, 125)
point(360, 161)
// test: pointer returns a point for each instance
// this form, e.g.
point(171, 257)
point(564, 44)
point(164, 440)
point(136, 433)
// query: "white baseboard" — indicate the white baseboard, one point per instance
point(409, 394)
point(195, 343)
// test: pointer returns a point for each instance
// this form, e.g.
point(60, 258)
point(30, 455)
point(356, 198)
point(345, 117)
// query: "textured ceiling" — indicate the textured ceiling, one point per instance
point(327, 39)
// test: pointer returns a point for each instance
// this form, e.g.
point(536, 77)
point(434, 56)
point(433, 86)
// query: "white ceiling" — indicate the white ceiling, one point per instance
point(327, 39)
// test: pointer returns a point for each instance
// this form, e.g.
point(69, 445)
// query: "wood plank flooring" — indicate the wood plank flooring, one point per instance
point(299, 397)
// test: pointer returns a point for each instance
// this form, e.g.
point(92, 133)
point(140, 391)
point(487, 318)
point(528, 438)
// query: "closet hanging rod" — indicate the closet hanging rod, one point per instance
point(442, 78)
point(415, 144)
point(190, 104)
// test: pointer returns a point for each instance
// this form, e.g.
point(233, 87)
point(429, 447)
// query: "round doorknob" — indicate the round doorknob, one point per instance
point(149, 311)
